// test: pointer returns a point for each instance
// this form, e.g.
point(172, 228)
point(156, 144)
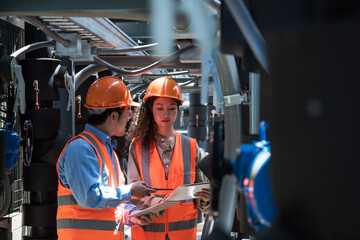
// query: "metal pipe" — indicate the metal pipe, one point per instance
point(91, 69)
point(31, 47)
point(250, 30)
point(144, 69)
point(230, 85)
point(177, 79)
point(115, 51)
point(254, 82)
point(142, 61)
point(147, 81)
point(215, 4)
point(35, 21)
point(190, 89)
point(85, 73)
point(167, 74)
point(138, 88)
point(227, 202)
point(190, 81)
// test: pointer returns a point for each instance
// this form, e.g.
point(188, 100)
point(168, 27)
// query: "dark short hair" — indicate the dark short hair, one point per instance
point(96, 119)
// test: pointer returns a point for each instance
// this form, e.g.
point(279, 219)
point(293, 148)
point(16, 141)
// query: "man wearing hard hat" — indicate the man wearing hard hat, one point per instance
point(91, 183)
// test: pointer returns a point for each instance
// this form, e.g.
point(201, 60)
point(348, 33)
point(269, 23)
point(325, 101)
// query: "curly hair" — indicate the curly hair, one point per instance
point(142, 124)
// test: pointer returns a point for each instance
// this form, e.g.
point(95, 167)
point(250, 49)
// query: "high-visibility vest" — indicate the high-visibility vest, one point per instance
point(75, 222)
point(179, 221)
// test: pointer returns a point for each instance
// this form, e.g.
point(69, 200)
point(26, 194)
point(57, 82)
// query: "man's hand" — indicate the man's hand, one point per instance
point(203, 195)
point(147, 219)
point(139, 189)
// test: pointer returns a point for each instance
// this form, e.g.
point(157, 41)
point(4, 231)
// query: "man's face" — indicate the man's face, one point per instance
point(121, 121)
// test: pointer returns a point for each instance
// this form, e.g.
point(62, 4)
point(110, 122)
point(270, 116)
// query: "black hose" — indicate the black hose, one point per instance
point(32, 47)
point(144, 69)
point(138, 88)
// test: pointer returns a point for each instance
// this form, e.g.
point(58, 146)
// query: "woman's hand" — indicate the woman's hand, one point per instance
point(203, 195)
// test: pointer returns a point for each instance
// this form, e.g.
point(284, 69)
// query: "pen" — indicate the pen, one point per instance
point(159, 189)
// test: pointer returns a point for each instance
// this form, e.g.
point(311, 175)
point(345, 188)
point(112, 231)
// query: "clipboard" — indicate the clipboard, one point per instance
point(180, 194)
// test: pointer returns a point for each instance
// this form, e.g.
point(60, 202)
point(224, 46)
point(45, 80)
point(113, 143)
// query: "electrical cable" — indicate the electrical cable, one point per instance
point(144, 69)
point(32, 47)
point(115, 51)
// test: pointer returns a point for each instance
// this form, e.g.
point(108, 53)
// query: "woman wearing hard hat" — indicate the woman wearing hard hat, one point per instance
point(165, 159)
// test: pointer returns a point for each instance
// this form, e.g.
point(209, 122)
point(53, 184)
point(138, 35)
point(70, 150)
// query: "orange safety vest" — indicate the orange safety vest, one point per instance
point(179, 221)
point(75, 222)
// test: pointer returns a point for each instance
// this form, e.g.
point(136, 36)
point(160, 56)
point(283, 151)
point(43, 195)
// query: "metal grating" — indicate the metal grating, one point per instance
point(61, 24)
point(100, 31)
point(9, 35)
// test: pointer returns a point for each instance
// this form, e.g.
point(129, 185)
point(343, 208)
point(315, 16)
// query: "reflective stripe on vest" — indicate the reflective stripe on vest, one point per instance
point(145, 154)
point(66, 200)
point(183, 225)
point(155, 227)
point(87, 224)
point(173, 226)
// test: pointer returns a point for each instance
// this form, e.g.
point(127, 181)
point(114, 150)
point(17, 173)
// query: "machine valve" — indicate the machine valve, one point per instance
point(213, 117)
point(36, 89)
point(78, 100)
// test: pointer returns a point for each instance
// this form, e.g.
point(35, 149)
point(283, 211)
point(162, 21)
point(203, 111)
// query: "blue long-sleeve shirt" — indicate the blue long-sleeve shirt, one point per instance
point(79, 170)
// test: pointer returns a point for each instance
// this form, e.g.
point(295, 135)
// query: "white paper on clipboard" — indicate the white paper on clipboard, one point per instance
point(181, 194)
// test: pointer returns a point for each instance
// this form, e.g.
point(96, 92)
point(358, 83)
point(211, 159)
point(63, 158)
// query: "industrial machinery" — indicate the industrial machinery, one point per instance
point(270, 90)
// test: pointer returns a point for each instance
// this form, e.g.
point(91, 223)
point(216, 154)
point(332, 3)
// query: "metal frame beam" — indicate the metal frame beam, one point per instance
point(70, 8)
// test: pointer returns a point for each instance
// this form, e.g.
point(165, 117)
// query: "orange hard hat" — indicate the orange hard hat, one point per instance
point(108, 92)
point(164, 87)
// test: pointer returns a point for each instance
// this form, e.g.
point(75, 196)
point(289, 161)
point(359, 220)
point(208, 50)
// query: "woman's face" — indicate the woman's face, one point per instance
point(164, 111)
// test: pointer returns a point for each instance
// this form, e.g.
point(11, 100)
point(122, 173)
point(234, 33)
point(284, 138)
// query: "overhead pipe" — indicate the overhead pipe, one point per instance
point(35, 21)
point(182, 80)
point(254, 118)
point(138, 88)
point(190, 81)
point(215, 4)
point(143, 86)
point(144, 69)
point(86, 72)
point(250, 30)
point(116, 51)
point(226, 195)
point(31, 47)
point(167, 74)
